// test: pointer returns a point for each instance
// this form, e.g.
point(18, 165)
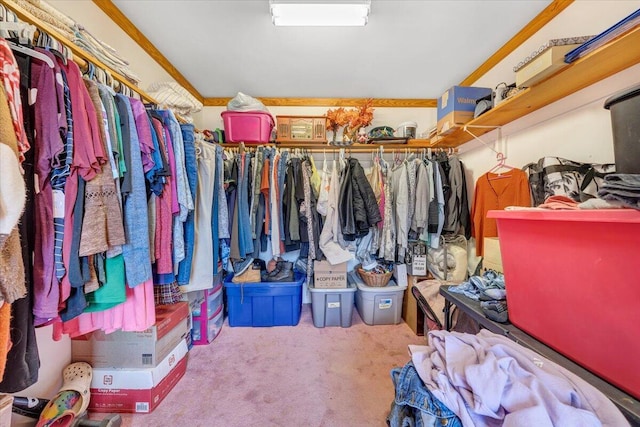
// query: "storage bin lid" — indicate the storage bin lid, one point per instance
point(298, 279)
point(628, 216)
point(622, 96)
point(351, 287)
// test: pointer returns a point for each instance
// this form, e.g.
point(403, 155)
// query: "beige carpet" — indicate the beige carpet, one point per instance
point(287, 376)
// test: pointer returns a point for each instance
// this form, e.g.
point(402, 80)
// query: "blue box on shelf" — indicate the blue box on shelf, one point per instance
point(457, 105)
point(264, 303)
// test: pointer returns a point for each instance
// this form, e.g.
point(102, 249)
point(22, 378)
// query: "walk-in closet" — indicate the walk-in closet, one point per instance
point(319, 213)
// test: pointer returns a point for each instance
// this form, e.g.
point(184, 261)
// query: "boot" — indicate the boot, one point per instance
point(282, 273)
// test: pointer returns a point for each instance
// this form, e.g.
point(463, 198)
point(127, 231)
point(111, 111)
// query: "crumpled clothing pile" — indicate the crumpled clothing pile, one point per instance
point(489, 286)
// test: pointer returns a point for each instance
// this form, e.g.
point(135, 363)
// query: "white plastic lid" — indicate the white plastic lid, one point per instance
point(408, 124)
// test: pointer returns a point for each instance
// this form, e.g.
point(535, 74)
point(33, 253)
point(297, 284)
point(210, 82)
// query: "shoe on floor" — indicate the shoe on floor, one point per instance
point(73, 398)
point(28, 406)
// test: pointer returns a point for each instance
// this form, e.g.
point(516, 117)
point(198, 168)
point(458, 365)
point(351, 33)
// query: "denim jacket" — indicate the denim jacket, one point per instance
point(414, 405)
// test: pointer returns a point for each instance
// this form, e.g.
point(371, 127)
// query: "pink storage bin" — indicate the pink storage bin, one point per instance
point(572, 282)
point(247, 126)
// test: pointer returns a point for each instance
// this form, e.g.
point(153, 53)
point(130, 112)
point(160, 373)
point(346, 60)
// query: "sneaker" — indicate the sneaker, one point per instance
point(495, 310)
point(240, 266)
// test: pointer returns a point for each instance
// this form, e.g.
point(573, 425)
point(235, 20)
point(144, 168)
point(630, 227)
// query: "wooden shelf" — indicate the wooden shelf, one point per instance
point(616, 56)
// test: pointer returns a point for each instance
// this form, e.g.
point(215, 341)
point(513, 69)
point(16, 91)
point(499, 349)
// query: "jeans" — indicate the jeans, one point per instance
point(184, 268)
point(414, 405)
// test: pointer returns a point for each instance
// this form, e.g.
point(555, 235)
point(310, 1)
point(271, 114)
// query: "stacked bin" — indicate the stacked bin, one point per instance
point(207, 314)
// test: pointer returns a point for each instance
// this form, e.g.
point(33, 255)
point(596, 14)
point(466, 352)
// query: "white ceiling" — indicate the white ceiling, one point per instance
point(409, 48)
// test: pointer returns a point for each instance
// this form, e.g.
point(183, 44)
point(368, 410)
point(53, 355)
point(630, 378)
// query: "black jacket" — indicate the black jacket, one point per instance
point(358, 207)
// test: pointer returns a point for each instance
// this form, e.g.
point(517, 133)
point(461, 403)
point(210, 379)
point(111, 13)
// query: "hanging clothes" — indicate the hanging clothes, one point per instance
point(495, 191)
point(436, 208)
point(400, 206)
point(188, 138)
point(358, 206)
point(330, 238)
point(202, 270)
point(22, 358)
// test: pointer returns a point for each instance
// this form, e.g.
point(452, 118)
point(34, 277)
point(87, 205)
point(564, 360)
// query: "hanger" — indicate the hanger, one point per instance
point(500, 157)
point(32, 53)
point(24, 30)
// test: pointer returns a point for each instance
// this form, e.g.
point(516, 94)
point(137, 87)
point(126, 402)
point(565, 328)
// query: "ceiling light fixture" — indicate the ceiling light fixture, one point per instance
point(320, 13)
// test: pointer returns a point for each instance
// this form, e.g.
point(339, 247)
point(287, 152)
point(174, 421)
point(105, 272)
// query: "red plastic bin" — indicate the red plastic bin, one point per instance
point(572, 283)
point(247, 126)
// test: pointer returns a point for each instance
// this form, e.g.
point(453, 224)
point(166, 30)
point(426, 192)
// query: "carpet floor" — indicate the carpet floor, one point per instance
point(287, 376)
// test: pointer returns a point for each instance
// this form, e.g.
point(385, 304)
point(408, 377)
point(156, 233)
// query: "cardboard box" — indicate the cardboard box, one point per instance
point(457, 105)
point(6, 401)
point(492, 257)
point(400, 274)
point(543, 65)
point(411, 313)
point(143, 349)
point(137, 390)
point(327, 276)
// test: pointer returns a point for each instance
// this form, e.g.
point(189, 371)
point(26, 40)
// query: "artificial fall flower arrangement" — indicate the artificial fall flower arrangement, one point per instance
point(350, 120)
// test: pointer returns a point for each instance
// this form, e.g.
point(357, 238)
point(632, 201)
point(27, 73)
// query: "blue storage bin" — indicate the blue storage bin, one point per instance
point(264, 303)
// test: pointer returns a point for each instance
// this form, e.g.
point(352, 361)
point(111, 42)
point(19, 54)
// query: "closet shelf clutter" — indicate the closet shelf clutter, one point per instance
point(80, 56)
point(609, 59)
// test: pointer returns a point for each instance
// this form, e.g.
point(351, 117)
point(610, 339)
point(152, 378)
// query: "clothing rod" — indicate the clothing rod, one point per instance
point(387, 149)
point(80, 56)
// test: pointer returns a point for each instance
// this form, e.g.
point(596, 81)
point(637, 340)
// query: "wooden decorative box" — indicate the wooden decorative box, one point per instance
point(301, 129)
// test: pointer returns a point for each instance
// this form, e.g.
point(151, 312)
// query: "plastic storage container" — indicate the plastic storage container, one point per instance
point(264, 303)
point(378, 306)
point(332, 307)
point(247, 126)
point(625, 124)
point(206, 330)
point(206, 303)
point(406, 130)
point(572, 283)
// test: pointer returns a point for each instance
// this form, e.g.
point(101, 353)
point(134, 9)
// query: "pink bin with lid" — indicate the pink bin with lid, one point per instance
point(247, 126)
point(572, 282)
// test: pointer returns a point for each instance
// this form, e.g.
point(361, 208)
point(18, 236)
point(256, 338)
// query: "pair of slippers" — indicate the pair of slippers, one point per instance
point(72, 400)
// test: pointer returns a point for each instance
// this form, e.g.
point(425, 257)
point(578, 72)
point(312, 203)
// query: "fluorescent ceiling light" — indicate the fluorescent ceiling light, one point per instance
point(317, 13)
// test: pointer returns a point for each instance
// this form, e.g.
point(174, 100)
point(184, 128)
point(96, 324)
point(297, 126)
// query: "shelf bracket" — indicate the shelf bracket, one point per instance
point(476, 137)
